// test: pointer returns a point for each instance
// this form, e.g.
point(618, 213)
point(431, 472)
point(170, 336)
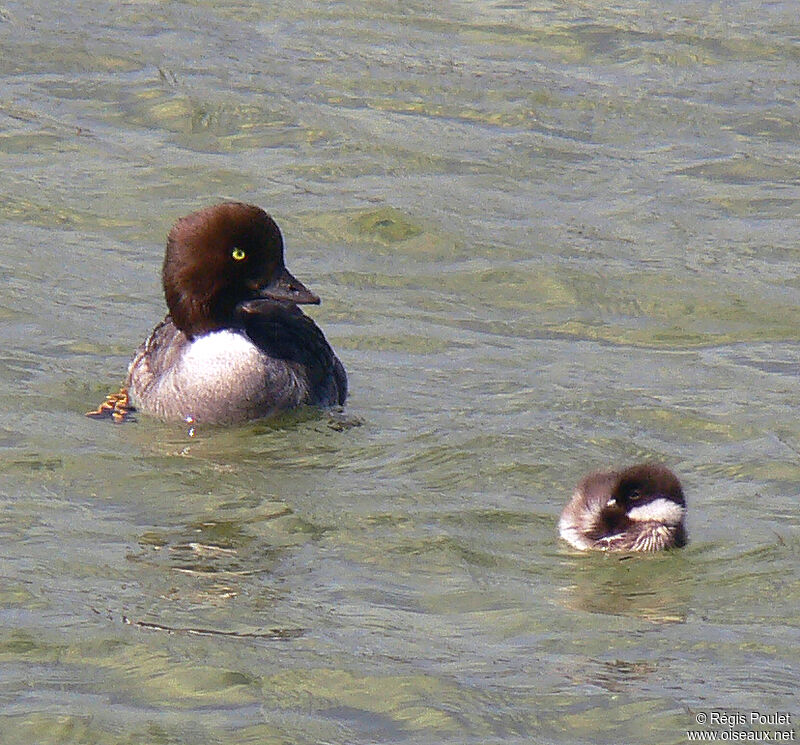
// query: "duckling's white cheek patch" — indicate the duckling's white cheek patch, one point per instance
point(659, 510)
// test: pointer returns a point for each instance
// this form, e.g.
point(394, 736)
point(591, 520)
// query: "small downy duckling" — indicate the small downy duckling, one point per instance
point(640, 508)
point(235, 345)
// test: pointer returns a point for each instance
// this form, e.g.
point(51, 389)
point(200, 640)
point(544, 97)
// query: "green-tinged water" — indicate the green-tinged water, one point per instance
point(548, 238)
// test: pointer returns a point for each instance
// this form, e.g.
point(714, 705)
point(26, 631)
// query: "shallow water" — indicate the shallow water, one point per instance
point(548, 237)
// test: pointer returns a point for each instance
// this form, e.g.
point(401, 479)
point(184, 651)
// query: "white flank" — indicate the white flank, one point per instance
point(570, 527)
point(574, 537)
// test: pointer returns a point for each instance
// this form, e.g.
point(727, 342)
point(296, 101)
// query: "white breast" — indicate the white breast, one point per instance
point(223, 375)
point(220, 354)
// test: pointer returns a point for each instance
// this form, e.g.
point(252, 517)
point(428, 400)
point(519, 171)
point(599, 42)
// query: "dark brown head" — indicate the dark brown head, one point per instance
point(220, 259)
point(647, 491)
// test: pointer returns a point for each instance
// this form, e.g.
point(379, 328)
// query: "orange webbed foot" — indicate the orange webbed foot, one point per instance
point(116, 407)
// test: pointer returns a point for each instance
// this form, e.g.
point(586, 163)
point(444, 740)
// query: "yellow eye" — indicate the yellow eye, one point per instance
point(238, 254)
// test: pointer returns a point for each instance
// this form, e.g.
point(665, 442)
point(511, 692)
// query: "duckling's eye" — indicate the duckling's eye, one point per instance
point(634, 496)
point(238, 254)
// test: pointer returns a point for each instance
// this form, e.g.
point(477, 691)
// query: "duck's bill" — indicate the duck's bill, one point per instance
point(287, 287)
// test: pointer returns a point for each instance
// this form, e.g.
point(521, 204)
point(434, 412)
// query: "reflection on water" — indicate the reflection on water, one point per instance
point(548, 238)
point(653, 588)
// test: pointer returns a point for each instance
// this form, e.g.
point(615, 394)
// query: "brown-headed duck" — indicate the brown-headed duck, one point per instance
point(235, 345)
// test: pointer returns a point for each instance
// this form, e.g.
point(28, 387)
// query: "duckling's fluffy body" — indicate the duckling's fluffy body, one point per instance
point(640, 508)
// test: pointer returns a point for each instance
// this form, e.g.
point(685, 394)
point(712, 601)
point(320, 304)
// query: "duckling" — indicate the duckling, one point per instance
point(640, 508)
